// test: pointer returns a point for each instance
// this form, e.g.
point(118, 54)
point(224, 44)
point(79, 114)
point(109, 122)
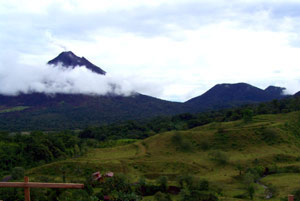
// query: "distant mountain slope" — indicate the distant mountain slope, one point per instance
point(297, 94)
point(228, 95)
point(69, 111)
point(72, 111)
point(69, 59)
point(275, 92)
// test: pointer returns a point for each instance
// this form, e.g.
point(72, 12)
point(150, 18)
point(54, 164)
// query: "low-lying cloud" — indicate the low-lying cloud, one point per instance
point(19, 78)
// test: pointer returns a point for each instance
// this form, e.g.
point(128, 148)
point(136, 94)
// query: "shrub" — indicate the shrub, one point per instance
point(159, 196)
point(251, 191)
point(182, 143)
point(162, 181)
point(17, 173)
point(193, 195)
point(247, 115)
point(270, 136)
point(219, 157)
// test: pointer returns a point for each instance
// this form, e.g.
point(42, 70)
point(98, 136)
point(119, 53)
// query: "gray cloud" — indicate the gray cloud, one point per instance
point(155, 21)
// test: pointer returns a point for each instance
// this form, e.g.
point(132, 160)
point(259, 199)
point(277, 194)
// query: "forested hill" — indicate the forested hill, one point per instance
point(230, 95)
point(76, 111)
point(228, 156)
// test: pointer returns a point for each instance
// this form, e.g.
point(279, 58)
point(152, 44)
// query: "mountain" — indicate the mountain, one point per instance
point(69, 111)
point(74, 111)
point(297, 94)
point(70, 60)
point(229, 95)
point(274, 91)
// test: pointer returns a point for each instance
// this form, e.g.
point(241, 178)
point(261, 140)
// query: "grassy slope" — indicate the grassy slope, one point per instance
point(13, 109)
point(244, 144)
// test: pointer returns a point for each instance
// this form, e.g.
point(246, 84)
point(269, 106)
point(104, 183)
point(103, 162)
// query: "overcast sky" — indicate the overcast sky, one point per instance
point(171, 49)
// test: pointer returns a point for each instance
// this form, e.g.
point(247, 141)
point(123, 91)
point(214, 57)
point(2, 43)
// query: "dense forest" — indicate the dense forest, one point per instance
point(144, 129)
point(29, 150)
point(19, 151)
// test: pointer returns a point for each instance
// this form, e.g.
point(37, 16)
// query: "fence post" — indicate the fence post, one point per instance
point(26, 190)
point(291, 197)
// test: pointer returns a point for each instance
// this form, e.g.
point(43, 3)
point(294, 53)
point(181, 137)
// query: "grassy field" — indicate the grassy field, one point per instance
point(214, 152)
point(13, 109)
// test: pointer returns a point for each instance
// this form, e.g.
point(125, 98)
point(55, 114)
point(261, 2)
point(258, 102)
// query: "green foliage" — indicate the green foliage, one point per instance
point(63, 116)
point(181, 142)
point(272, 190)
point(270, 136)
point(159, 196)
point(17, 173)
point(251, 191)
point(185, 181)
point(220, 157)
point(253, 174)
point(296, 194)
point(221, 137)
point(118, 188)
point(195, 189)
point(12, 194)
point(162, 182)
point(14, 109)
point(37, 148)
point(192, 195)
point(247, 115)
point(239, 167)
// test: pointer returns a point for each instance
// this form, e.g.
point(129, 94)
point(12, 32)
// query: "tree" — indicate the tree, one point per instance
point(247, 115)
point(240, 168)
point(251, 191)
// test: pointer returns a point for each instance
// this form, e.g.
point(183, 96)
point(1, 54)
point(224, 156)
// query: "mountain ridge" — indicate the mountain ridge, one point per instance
point(227, 95)
point(68, 59)
point(62, 110)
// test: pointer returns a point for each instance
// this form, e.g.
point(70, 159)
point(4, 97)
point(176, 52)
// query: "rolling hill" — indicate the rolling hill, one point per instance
point(226, 154)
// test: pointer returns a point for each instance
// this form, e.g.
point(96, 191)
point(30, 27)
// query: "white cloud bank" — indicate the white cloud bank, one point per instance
point(17, 78)
point(171, 49)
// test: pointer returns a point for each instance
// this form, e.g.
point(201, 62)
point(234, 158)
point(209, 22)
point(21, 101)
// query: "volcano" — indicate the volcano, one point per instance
point(70, 60)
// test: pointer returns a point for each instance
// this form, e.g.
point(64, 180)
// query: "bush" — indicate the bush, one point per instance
point(219, 157)
point(270, 136)
point(247, 115)
point(17, 173)
point(251, 191)
point(198, 195)
point(163, 183)
point(296, 195)
point(182, 143)
point(159, 196)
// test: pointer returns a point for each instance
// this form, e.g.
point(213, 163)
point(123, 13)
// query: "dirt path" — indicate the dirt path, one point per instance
point(141, 149)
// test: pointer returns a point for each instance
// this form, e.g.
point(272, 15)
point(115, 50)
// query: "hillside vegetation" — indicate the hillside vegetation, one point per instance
point(240, 159)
